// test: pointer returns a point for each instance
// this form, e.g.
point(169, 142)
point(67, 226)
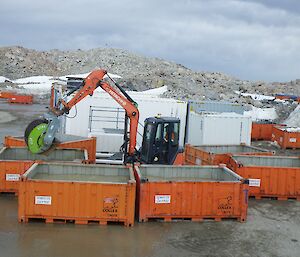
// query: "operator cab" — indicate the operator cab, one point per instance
point(160, 140)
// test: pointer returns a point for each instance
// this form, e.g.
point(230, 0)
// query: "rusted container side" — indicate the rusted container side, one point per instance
point(277, 135)
point(269, 176)
point(15, 161)
point(20, 99)
point(10, 172)
point(76, 142)
point(6, 94)
point(215, 155)
point(63, 142)
point(286, 137)
point(10, 141)
point(77, 193)
point(190, 192)
point(179, 159)
point(190, 155)
point(262, 131)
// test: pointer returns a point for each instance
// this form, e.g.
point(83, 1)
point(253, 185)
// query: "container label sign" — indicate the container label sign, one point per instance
point(162, 199)
point(254, 182)
point(45, 200)
point(198, 161)
point(293, 140)
point(12, 177)
point(111, 206)
point(225, 205)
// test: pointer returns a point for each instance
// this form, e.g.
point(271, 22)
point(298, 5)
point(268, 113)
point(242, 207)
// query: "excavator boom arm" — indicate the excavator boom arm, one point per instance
point(90, 85)
point(132, 113)
point(94, 80)
point(60, 107)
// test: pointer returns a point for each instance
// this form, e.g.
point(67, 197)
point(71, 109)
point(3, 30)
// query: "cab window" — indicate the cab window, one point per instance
point(175, 134)
point(148, 131)
point(158, 133)
point(166, 132)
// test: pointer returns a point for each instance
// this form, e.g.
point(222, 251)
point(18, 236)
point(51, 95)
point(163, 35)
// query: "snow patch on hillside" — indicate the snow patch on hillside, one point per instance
point(256, 97)
point(261, 113)
point(33, 79)
point(84, 75)
point(294, 129)
point(294, 118)
point(4, 79)
point(42, 84)
point(156, 91)
point(150, 93)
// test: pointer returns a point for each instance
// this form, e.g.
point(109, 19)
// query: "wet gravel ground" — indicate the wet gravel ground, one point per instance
point(23, 115)
point(272, 228)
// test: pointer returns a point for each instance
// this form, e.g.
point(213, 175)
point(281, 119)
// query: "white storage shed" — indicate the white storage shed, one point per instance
point(218, 129)
point(102, 117)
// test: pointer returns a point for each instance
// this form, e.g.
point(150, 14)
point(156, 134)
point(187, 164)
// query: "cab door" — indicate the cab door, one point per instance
point(160, 142)
point(173, 141)
point(158, 145)
point(147, 145)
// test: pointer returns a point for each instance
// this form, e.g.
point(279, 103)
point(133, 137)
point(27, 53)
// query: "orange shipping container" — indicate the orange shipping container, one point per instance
point(21, 99)
point(261, 131)
point(286, 137)
point(67, 142)
point(10, 141)
point(287, 97)
point(190, 192)
point(77, 193)
point(217, 154)
point(6, 94)
point(10, 172)
point(15, 161)
point(269, 176)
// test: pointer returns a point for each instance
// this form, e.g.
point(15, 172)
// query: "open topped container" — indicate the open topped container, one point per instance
point(217, 154)
point(190, 192)
point(269, 176)
point(14, 161)
point(77, 193)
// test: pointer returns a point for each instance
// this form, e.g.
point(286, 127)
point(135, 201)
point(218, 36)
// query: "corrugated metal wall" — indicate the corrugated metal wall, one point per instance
point(215, 106)
point(148, 107)
point(271, 161)
point(55, 155)
point(218, 129)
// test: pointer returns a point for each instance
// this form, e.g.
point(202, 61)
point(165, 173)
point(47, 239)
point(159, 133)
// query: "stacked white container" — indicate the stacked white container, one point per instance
point(218, 129)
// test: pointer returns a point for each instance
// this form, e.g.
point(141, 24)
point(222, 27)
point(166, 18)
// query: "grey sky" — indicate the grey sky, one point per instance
point(250, 39)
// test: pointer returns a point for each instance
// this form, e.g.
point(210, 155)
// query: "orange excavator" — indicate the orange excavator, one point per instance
point(161, 134)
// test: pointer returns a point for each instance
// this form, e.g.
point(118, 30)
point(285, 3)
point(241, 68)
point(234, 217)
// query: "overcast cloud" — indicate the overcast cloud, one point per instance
point(250, 39)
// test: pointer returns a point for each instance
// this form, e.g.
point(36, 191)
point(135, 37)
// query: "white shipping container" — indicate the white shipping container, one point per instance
point(218, 129)
point(215, 106)
point(98, 109)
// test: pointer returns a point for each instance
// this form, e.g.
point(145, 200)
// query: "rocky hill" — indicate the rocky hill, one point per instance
point(140, 73)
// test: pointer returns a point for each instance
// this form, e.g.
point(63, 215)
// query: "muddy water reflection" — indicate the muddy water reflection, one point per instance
point(39, 239)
